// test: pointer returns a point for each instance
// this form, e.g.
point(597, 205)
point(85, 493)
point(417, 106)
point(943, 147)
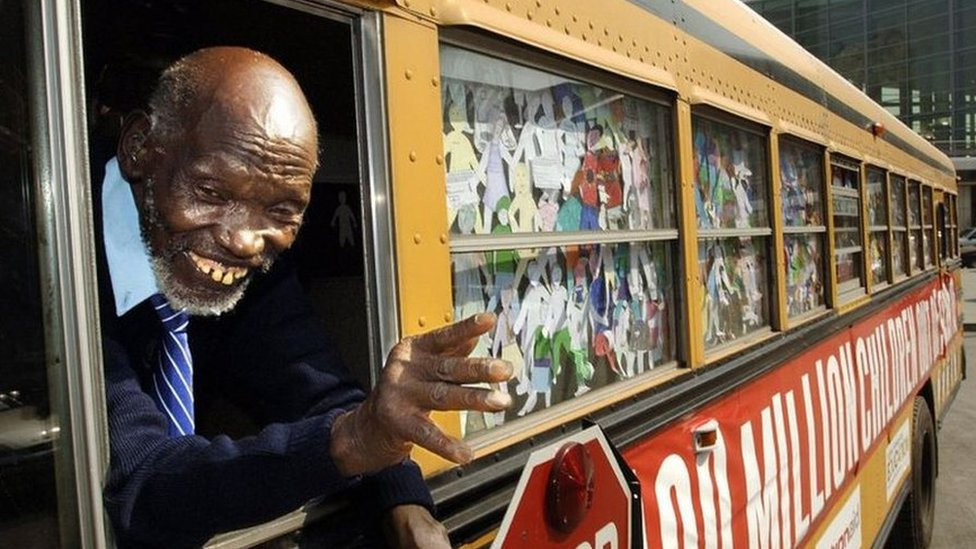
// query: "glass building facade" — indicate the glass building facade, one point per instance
point(917, 58)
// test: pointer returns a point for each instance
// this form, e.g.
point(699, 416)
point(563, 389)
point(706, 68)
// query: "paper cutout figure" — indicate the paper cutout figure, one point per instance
point(521, 214)
point(347, 222)
point(493, 167)
point(462, 164)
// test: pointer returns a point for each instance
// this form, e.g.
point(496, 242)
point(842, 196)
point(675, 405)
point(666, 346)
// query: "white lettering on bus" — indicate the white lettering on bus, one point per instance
point(761, 491)
point(673, 477)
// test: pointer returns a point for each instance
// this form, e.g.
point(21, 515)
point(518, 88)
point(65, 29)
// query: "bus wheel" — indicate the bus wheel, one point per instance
point(913, 527)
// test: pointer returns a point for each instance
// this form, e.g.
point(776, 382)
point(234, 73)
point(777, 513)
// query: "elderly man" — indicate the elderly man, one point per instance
point(206, 190)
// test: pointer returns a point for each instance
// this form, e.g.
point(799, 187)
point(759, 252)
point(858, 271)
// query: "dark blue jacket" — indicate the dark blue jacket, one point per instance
point(269, 357)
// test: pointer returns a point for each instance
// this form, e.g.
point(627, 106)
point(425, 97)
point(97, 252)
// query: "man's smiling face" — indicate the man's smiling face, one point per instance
point(225, 194)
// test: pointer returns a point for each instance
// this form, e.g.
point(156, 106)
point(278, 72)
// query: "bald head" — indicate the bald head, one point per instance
point(227, 81)
point(221, 170)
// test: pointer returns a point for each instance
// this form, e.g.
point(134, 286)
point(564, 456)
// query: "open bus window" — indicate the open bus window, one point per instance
point(550, 153)
point(845, 184)
point(731, 189)
point(899, 228)
point(915, 243)
point(801, 174)
point(877, 226)
point(530, 156)
point(32, 450)
point(122, 65)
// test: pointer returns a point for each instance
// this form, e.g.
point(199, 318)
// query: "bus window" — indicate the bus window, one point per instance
point(805, 230)
point(928, 233)
point(915, 242)
point(530, 154)
point(899, 228)
point(877, 227)
point(845, 185)
point(33, 448)
point(731, 186)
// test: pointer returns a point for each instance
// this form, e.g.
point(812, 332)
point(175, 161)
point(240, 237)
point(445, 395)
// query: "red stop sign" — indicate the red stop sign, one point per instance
point(606, 521)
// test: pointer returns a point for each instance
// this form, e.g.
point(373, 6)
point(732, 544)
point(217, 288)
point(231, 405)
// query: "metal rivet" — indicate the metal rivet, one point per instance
point(606, 31)
point(434, 82)
point(413, 156)
point(439, 159)
point(557, 10)
point(590, 23)
point(538, 3)
point(508, 6)
point(406, 3)
point(448, 317)
point(548, 22)
point(408, 73)
point(416, 238)
point(422, 321)
point(433, 11)
point(575, 19)
point(528, 15)
point(566, 29)
point(443, 238)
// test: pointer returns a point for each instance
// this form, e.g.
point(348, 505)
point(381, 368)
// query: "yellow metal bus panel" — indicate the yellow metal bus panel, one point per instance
point(420, 210)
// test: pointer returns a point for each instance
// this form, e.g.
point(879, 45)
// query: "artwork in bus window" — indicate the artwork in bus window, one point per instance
point(928, 246)
point(848, 269)
point(927, 206)
point(570, 319)
point(877, 201)
point(734, 271)
point(843, 178)
point(915, 249)
point(897, 202)
point(570, 156)
point(914, 205)
point(804, 281)
point(802, 184)
point(898, 255)
point(730, 177)
point(879, 257)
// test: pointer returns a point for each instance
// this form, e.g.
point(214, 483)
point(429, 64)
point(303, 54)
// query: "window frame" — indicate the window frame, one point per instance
point(872, 230)
point(918, 265)
point(524, 56)
point(821, 231)
point(846, 291)
point(716, 116)
point(899, 229)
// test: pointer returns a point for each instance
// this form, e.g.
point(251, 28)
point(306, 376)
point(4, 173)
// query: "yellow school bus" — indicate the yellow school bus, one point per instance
point(684, 222)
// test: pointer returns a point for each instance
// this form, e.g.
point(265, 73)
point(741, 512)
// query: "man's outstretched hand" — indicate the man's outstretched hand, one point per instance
point(422, 373)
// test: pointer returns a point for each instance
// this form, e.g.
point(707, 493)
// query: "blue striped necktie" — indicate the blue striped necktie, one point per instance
point(172, 379)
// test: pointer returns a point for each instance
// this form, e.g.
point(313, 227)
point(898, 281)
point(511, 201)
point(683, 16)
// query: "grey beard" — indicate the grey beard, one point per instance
point(178, 295)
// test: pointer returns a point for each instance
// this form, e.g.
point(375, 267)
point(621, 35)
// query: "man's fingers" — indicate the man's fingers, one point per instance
point(457, 335)
point(440, 395)
point(425, 433)
point(461, 369)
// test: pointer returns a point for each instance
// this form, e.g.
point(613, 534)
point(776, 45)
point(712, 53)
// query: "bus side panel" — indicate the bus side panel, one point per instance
point(817, 445)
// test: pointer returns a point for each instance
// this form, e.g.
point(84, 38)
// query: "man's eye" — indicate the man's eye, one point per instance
point(286, 213)
point(210, 193)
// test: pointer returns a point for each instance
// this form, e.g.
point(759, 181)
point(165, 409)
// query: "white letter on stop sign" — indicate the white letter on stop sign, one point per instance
point(606, 538)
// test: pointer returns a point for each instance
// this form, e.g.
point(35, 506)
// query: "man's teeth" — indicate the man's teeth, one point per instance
point(217, 271)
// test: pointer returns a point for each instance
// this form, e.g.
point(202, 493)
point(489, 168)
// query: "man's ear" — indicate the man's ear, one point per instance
point(133, 150)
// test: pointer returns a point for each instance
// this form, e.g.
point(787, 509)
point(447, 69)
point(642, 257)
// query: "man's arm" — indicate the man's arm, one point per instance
point(177, 492)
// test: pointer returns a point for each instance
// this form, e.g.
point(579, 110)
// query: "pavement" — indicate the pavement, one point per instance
point(969, 299)
point(955, 506)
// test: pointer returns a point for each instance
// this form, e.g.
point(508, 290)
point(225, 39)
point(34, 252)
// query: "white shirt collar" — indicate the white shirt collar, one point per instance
point(129, 265)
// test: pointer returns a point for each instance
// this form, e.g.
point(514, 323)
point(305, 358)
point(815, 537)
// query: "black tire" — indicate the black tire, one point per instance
point(913, 527)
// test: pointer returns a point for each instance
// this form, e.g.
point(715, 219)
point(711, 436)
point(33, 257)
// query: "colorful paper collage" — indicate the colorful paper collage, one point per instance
point(731, 184)
point(570, 319)
point(527, 151)
point(877, 199)
point(848, 267)
point(801, 174)
point(734, 303)
point(897, 201)
point(914, 205)
point(898, 256)
point(879, 257)
point(804, 268)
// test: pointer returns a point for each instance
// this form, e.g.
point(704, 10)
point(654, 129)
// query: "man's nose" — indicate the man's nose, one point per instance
point(244, 243)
